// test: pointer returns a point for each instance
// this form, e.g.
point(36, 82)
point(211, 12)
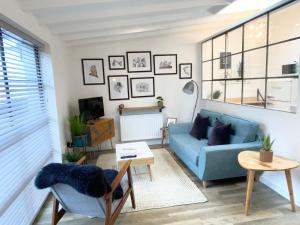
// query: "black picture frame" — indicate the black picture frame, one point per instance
point(128, 58)
point(142, 78)
point(110, 62)
point(180, 70)
point(164, 55)
point(109, 88)
point(101, 61)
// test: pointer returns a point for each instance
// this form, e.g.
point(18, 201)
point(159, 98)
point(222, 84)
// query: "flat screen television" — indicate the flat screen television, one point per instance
point(91, 108)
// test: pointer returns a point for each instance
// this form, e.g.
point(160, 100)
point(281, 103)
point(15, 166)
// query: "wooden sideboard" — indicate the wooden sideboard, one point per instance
point(100, 130)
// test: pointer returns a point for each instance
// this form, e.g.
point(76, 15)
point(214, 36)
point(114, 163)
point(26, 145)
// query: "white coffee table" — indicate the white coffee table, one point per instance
point(144, 155)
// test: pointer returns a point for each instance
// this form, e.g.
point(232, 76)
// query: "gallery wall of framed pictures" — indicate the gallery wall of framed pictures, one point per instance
point(141, 67)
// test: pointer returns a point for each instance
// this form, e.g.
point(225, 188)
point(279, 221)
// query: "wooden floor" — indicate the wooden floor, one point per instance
point(225, 206)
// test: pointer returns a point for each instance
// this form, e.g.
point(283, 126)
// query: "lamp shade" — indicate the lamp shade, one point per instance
point(189, 87)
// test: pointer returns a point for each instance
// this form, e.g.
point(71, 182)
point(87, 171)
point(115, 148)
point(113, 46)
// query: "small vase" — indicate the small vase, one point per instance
point(160, 104)
point(266, 156)
point(79, 141)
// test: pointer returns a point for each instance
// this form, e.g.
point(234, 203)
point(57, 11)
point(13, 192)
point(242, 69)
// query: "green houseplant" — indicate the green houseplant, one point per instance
point(160, 101)
point(78, 131)
point(266, 153)
point(73, 157)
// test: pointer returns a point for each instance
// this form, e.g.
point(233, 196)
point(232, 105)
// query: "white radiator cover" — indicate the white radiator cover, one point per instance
point(141, 127)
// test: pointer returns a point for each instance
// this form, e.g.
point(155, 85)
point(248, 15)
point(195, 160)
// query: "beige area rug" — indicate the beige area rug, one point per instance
point(170, 185)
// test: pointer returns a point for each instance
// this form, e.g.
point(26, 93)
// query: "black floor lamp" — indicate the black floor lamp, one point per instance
point(189, 89)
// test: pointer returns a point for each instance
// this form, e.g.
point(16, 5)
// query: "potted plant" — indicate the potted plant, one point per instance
point(160, 101)
point(73, 157)
point(266, 153)
point(78, 131)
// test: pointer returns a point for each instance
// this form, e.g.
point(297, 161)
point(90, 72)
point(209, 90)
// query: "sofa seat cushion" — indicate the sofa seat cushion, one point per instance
point(189, 146)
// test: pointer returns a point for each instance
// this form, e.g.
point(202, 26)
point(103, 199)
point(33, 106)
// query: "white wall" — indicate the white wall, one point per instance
point(54, 55)
point(169, 87)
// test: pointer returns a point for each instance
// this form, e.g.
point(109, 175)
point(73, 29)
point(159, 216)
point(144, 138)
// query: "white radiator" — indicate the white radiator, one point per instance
point(141, 127)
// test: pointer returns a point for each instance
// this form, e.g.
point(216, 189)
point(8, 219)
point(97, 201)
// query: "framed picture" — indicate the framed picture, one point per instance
point(93, 71)
point(142, 87)
point(165, 64)
point(185, 70)
point(171, 121)
point(116, 62)
point(139, 62)
point(118, 87)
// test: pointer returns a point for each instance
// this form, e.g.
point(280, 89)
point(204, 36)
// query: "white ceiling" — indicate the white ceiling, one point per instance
point(84, 21)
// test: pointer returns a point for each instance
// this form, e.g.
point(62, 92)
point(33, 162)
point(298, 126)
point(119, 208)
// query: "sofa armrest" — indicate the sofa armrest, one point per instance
point(180, 128)
point(221, 161)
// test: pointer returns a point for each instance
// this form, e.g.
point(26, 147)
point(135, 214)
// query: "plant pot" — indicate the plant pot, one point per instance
point(79, 141)
point(160, 104)
point(266, 156)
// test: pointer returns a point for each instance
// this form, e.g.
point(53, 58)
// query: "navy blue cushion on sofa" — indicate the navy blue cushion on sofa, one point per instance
point(199, 129)
point(220, 134)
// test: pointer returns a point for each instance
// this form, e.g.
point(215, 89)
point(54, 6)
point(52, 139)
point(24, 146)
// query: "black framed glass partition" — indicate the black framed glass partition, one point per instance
point(255, 63)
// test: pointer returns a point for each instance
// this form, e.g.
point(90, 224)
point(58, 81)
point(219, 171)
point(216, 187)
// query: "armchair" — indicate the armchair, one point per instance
point(105, 207)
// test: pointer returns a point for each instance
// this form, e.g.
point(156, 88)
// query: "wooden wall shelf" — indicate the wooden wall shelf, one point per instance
point(140, 109)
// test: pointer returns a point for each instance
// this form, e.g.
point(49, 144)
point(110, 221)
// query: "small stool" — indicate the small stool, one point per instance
point(164, 134)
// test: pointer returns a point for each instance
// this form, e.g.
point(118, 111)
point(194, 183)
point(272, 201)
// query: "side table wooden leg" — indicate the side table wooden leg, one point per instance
point(149, 169)
point(290, 187)
point(251, 175)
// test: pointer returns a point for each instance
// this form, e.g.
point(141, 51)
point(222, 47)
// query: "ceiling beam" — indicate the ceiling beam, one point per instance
point(89, 13)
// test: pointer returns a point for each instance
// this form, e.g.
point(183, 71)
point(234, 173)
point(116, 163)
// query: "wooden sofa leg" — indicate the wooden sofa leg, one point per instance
point(204, 184)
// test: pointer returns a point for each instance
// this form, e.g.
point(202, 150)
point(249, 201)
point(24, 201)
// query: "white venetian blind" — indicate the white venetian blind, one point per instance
point(25, 144)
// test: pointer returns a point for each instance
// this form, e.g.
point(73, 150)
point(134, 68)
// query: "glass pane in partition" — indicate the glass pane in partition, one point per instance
point(254, 92)
point(234, 91)
point(218, 46)
point(206, 70)
point(255, 63)
point(256, 33)
point(282, 94)
point(218, 69)
point(218, 90)
point(234, 41)
point(284, 23)
point(234, 66)
point(206, 89)
point(284, 59)
point(207, 50)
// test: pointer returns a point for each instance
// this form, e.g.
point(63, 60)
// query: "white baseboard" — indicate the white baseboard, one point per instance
point(280, 189)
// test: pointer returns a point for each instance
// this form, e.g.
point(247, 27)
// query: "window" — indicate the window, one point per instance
point(25, 143)
point(257, 62)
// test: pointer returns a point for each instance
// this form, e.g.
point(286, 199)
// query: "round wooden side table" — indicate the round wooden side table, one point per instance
point(250, 161)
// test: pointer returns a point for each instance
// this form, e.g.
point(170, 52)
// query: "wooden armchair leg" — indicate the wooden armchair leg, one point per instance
point(204, 184)
point(56, 213)
point(131, 186)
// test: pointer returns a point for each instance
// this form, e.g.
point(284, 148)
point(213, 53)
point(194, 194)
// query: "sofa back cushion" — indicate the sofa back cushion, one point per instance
point(245, 131)
point(212, 115)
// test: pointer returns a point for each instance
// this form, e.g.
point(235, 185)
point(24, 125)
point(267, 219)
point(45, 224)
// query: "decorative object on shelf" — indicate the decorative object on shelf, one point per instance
point(165, 64)
point(116, 62)
point(93, 71)
point(160, 101)
point(139, 61)
point(142, 87)
point(73, 157)
point(216, 94)
point(225, 60)
point(171, 121)
point(118, 87)
point(266, 153)
point(189, 88)
point(78, 131)
point(121, 106)
point(185, 70)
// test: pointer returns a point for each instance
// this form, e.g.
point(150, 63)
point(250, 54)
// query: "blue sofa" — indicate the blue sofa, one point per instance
point(214, 162)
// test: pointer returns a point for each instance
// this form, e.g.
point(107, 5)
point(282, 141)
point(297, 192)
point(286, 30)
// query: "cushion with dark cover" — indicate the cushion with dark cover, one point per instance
point(110, 175)
point(220, 134)
point(86, 179)
point(199, 129)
